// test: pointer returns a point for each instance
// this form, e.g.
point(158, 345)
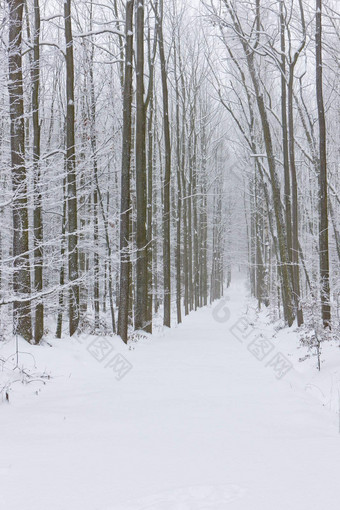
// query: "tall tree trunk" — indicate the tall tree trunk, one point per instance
point(124, 286)
point(194, 211)
point(72, 215)
point(188, 199)
point(21, 274)
point(167, 178)
point(294, 193)
point(285, 148)
point(150, 242)
point(203, 215)
point(323, 206)
point(141, 181)
point(93, 136)
point(295, 212)
point(204, 247)
point(179, 198)
point(37, 214)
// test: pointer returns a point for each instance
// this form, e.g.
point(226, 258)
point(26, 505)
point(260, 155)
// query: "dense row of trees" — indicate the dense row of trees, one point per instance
point(134, 135)
point(111, 186)
point(279, 84)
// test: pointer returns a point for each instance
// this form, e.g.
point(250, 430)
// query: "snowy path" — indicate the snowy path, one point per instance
point(198, 423)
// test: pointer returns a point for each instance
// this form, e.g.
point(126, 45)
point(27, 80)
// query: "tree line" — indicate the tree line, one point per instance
point(135, 134)
point(279, 84)
point(108, 149)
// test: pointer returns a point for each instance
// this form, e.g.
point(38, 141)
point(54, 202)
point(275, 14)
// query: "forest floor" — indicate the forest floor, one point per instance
point(215, 414)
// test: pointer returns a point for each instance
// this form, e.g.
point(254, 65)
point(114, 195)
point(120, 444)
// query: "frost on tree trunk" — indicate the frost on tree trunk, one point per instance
point(71, 176)
point(21, 273)
point(37, 213)
point(125, 265)
point(323, 206)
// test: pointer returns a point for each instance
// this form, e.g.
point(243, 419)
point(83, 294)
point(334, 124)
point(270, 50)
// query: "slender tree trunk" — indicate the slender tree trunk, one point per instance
point(179, 199)
point(62, 267)
point(189, 238)
point(150, 242)
point(285, 147)
point(93, 136)
point(323, 206)
point(155, 230)
point(167, 178)
point(95, 204)
point(295, 219)
point(124, 286)
point(21, 274)
point(150, 188)
point(185, 222)
point(195, 214)
point(37, 214)
point(294, 190)
point(204, 249)
point(204, 225)
point(72, 214)
point(141, 181)
point(108, 248)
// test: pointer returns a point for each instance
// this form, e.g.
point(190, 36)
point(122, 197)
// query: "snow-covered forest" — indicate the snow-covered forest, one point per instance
point(169, 254)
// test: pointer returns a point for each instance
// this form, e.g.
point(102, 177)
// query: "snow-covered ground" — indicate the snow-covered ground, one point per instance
point(216, 413)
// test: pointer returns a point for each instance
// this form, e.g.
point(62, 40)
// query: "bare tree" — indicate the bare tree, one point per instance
point(37, 214)
point(72, 213)
point(21, 274)
point(323, 206)
point(167, 177)
point(125, 264)
point(141, 239)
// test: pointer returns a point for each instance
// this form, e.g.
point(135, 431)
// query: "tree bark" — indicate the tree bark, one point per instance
point(141, 181)
point(125, 270)
point(72, 214)
point(179, 197)
point(37, 214)
point(285, 149)
point(167, 178)
point(323, 205)
point(21, 274)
